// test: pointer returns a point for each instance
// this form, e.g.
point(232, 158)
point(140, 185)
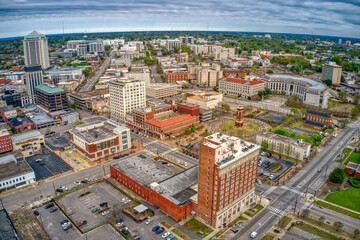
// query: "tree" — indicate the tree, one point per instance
point(305, 213)
point(225, 107)
point(321, 219)
point(327, 82)
point(357, 98)
point(356, 232)
point(295, 111)
point(192, 128)
point(338, 225)
point(337, 176)
point(176, 49)
point(343, 122)
point(317, 138)
point(265, 144)
point(74, 106)
point(86, 72)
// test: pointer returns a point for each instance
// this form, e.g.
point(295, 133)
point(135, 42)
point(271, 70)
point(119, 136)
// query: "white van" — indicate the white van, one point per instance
point(253, 234)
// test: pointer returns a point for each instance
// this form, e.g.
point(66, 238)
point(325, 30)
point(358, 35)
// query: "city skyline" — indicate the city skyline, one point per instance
point(299, 17)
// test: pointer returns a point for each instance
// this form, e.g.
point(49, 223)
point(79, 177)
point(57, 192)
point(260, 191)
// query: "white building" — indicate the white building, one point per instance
point(162, 90)
point(240, 87)
point(171, 43)
point(36, 50)
point(14, 173)
point(237, 62)
point(28, 143)
point(113, 42)
point(143, 75)
point(206, 100)
point(307, 90)
point(126, 95)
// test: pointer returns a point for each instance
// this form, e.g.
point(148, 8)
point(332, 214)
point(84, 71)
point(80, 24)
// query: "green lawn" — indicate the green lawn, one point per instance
point(284, 221)
point(354, 157)
point(317, 232)
point(349, 198)
point(300, 124)
point(229, 128)
point(257, 208)
point(346, 151)
point(267, 237)
point(195, 226)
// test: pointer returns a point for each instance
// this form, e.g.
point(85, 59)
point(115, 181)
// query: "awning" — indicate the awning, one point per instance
point(141, 208)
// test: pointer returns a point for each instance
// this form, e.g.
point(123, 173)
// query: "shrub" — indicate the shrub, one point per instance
point(355, 182)
point(337, 176)
point(276, 231)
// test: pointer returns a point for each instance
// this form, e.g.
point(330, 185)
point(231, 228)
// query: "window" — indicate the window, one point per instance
point(125, 146)
point(112, 142)
point(98, 147)
point(105, 145)
point(124, 141)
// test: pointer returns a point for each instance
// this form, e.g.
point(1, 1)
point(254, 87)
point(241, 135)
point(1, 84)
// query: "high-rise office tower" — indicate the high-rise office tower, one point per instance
point(36, 50)
point(126, 95)
point(33, 78)
point(331, 72)
point(227, 175)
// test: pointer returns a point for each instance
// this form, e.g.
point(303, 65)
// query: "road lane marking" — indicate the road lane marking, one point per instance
point(293, 190)
point(253, 225)
point(267, 192)
point(276, 211)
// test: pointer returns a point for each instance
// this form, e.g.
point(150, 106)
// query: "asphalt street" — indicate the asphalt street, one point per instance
point(290, 197)
point(91, 81)
point(154, 75)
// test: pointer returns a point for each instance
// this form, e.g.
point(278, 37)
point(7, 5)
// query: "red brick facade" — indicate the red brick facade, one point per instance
point(5, 143)
point(173, 77)
point(235, 73)
point(193, 110)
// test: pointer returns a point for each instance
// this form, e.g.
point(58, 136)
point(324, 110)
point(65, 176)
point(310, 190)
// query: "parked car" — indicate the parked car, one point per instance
point(59, 190)
point(49, 205)
point(277, 158)
point(84, 181)
point(54, 209)
point(64, 222)
point(103, 204)
point(38, 160)
point(319, 169)
point(269, 155)
point(258, 181)
point(170, 237)
point(148, 221)
point(253, 234)
point(43, 163)
point(272, 177)
point(64, 188)
point(120, 220)
point(160, 230)
point(88, 179)
point(126, 154)
point(82, 223)
point(119, 224)
point(77, 183)
point(105, 213)
point(36, 213)
point(263, 153)
point(95, 210)
point(136, 237)
point(155, 228)
point(165, 235)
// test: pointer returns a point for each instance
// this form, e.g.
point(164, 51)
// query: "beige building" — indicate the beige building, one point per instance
point(284, 145)
point(205, 75)
point(126, 95)
point(162, 90)
point(217, 52)
point(240, 87)
point(143, 75)
point(331, 72)
point(68, 86)
point(206, 100)
point(28, 143)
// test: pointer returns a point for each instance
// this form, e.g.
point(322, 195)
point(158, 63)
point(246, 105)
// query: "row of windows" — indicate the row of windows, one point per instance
point(12, 181)
point(105, 144)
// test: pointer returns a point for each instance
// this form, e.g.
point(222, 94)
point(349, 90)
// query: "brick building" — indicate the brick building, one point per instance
point(21, 124)
point(234, 73)
point(317, 120)
point(353, 169)
point(8, 112)
point(5, 141)
point(100, 140)
point(141, 115)
point(51, 98)
point(174, 76)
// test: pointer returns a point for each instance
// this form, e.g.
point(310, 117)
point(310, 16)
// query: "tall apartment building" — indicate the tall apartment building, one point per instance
point(51, 98)
point(227, 175)
point(331, 72)
point(36, 50)
point(187, 40)
point(171, 43)
point(206, 76)
point(33, 78)
point(83, 47)
point(126, 95)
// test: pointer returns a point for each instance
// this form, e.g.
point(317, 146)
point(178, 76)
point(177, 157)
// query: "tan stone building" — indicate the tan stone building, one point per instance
point(205, 75)
point(240, 87)
point(331, 72)
point(28, 143)
point(162, 90)
point(206, 100)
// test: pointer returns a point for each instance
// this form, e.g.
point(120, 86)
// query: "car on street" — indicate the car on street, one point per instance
point(43, 163)
point(258, 181)
point(88, 179)
point(263, 153)
point(38, 160)
point(54, 209)
point(59, 190)
point(136, 237)
point(253, 234)
point(165, 235)
point(82, 223)
point(95, 210)
point(84, 181)
point(77, 183)
point(155, 228)
point(148, 221)
point(64, 188)
point(36, 213)
point(105, 213)
point(64, 222)
point(319, 169)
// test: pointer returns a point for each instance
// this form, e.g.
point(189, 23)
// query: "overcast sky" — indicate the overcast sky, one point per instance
point(332, 17)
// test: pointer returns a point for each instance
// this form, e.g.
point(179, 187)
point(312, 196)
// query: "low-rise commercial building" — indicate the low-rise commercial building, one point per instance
point(8, 112)
point(15, 173)
point(285, 145)
point(82, 99)
point(237, 62)
point(5, 141)
point(307, 90)
point(317, 120)
point(206, 100)
point(21, 123)
point(240, 87)
point(162, 90)
point(176, 76)
point(100, 140)
point(28, 143)
point(68, 86)
point(66, 74)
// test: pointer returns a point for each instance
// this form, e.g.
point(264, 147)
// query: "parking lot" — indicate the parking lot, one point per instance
point(57, 141)
point(50, 164)
point(268, 166)
point(79, 208)
point(271, 117)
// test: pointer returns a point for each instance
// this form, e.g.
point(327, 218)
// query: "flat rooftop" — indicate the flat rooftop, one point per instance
point(26, 135)
point(177, 188)
point(12, 169)
point(144, 170)
point(7, 229)
point(230, 148)
point(287, 140)
point(92, 93)
point(96, 131)
point(170, 116)
point(313, 84)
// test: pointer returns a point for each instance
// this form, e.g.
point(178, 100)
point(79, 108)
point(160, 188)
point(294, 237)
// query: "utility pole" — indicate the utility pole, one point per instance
point(104, 169)
point(54, 188)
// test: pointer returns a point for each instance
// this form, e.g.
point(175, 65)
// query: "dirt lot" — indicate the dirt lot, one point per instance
point(26, 225)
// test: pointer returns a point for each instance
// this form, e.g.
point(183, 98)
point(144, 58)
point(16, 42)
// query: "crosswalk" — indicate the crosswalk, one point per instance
point(276, 211)
point(307, 205)
point(148, 143)
point(267, 192)
point(293, 190)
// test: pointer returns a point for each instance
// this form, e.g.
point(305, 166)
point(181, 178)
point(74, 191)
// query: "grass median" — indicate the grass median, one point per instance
point(338, 209)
